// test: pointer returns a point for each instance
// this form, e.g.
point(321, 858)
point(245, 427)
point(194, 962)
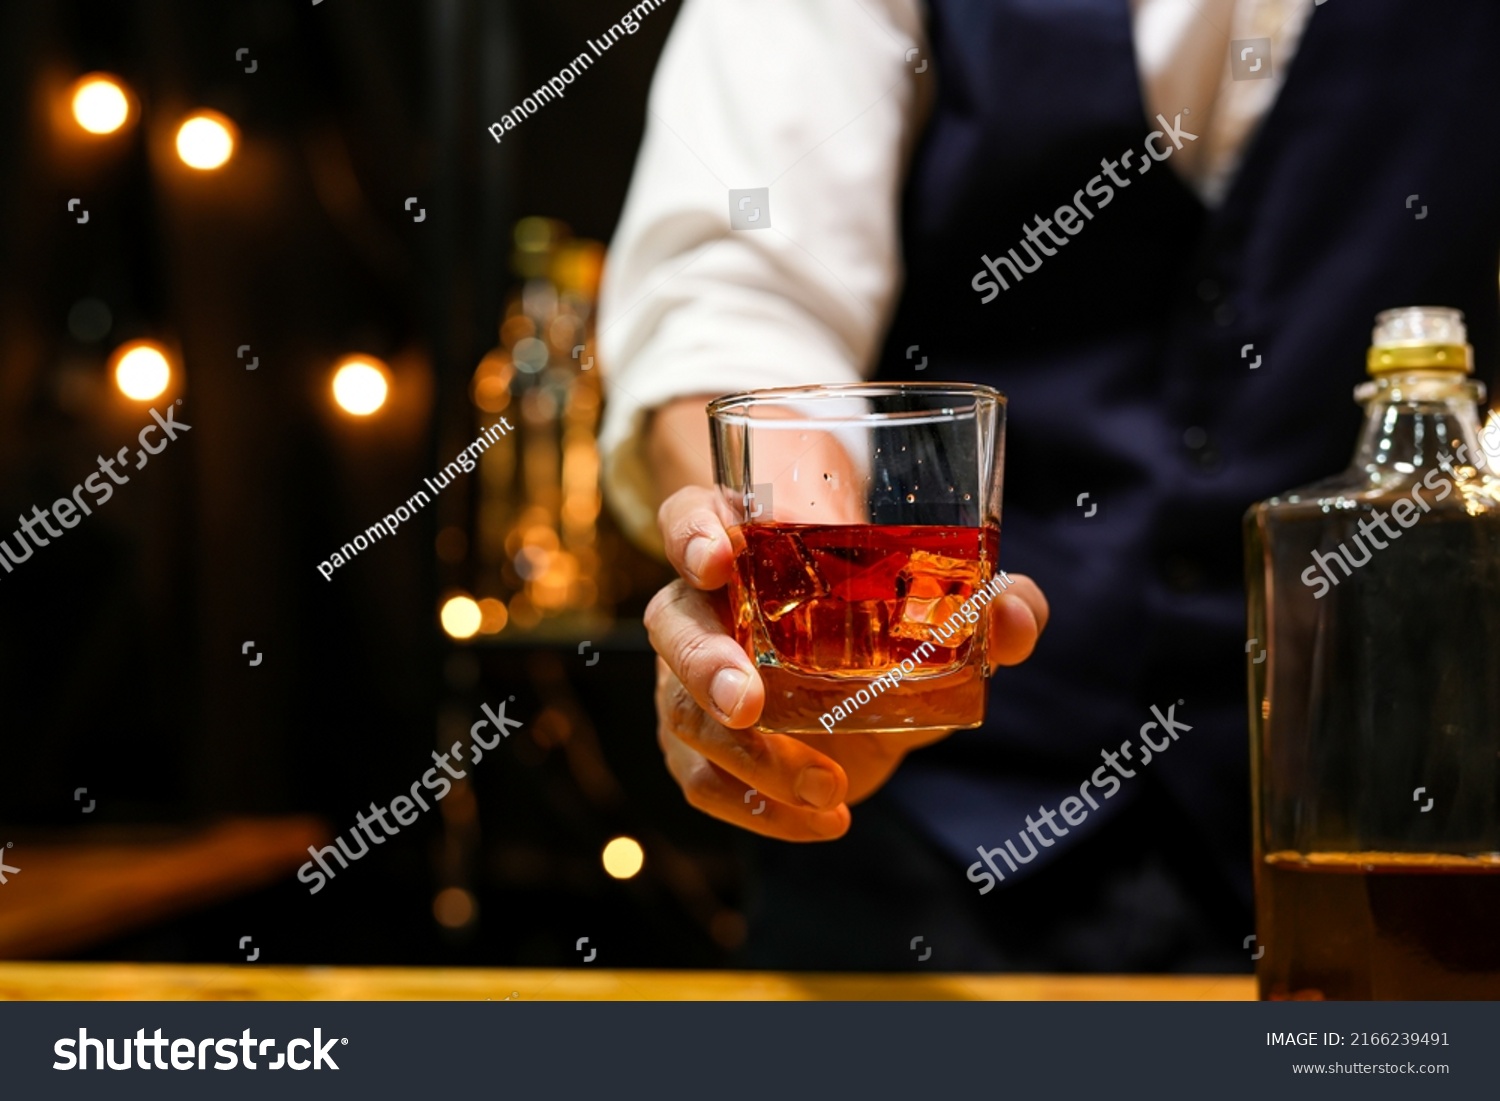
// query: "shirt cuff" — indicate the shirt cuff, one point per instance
point(677, 363)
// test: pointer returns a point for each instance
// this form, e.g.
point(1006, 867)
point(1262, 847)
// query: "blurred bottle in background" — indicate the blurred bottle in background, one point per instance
point(544, 559)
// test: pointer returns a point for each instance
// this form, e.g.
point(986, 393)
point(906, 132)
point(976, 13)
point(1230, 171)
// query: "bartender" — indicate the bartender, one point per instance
point(1162, 227)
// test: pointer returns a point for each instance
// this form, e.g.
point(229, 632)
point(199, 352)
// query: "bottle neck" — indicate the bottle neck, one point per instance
point(1418, 420)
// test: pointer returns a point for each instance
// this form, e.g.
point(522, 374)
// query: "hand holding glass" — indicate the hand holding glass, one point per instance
point(866, 529)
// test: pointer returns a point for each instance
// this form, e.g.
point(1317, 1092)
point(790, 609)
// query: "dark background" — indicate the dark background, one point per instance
point(120, 645)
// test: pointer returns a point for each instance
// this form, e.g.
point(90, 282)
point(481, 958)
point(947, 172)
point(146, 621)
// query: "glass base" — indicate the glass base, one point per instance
point(803, 703)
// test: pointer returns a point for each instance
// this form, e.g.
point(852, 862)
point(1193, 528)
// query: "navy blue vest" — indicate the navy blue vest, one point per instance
point(1122, 359)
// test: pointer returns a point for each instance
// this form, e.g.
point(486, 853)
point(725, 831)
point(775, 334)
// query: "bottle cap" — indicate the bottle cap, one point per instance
point(1420, 338)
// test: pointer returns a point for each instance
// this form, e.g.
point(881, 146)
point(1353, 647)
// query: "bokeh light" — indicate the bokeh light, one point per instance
point(624, 857)
point(493, 615)
point(461, 617)
point(205, 140)
point(100, 105)
point(141, 370)
point(454, 907)
point(360, 385)
point(490, 387)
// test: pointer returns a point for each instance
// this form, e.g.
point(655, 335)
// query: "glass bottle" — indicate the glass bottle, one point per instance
point(1374, 661)
point(539, 540)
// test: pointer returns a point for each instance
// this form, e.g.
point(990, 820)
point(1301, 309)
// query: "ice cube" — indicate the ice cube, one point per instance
point(880, 580)
point(847, 638)
point(783, 575)
point(933, 588)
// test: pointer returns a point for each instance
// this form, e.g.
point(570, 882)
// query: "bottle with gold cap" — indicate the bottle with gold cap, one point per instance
point(1374, 662)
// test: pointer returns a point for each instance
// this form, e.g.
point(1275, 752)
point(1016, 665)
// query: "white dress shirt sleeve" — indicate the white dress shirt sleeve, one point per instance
point(815, 100)
point(820, 102)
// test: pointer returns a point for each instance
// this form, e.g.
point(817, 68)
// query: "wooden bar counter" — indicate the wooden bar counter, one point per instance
point(169, 982)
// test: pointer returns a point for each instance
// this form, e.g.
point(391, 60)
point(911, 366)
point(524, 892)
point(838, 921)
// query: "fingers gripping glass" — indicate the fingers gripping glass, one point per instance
point(866, 526)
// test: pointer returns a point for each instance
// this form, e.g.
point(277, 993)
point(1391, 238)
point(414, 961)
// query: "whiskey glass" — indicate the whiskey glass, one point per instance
point(865, 520)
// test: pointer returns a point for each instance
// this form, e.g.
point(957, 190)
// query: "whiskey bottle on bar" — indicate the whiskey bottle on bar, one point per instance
point(1374, 667)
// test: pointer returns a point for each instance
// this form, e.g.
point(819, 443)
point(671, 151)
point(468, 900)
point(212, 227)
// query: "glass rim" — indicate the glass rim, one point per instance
point(782, 395)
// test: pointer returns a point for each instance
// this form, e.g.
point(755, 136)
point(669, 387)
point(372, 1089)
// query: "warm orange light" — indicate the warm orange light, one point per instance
point(624, 857)
point(205, 140)
point(100, 105)
point(523, 613)
point(142, 370)
point(550, 588)
point(1490, 441)
point(454, 907)
point(491, 383)
point(360, 385)
point(493, 616)
point(461, 617)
